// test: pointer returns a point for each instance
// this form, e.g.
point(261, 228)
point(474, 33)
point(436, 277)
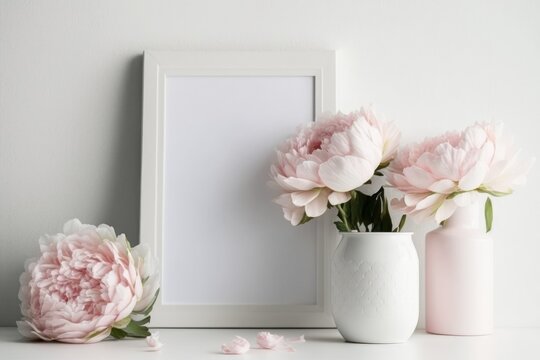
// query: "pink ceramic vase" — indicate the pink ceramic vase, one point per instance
point(459, 276)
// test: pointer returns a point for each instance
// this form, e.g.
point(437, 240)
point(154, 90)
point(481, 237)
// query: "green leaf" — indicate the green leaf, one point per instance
point(305, 219)
point(341, 226)
point(342, 214)
point(122, 323)
point(135, 330)
point(356, 210)
point(347, 210)
point(488, 213)
point(402, 222)
point(373, 213)
point(383, 165)
point(144, 321)
point(386, 219)
point(377, 214)
point(118, 333)
point(369, 209)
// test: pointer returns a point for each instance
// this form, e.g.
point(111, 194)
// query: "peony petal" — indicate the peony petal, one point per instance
point(319, 156)
point(237, 346)
point(302, 198)
point(72, 226)
point(300, 184)
point(474, 178)
point(294, 215)
point(444, 186)
point(398, 204)
point(336, 198)
point(445, 211)
point(366, 142)
point(153, 342)
point(318, 206)
point(339, 144)
point(280, 181)
point(284, 200)
point(429, 201)
point(413, 199)
point(463, 199)
point(486, 152)
point(94, 339)
point(432, 163)
point(474, 137)
point(450, 161)
point(505, 175)
point(422, 215)
point(26, 330)
point(391, 138)
point(399, 181)
point(345, 173)
point(308, 170)
point(418, 177)
point(267, 340)
point(106, 232)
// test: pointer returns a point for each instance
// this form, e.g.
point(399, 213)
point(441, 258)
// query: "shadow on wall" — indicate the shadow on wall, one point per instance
point(121, 197)
point(123, 205)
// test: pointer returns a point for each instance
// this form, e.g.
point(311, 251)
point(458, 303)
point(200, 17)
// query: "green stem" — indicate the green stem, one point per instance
point(344, 217)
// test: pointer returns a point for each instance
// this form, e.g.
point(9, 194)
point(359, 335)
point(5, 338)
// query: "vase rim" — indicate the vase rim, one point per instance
point(376, 233)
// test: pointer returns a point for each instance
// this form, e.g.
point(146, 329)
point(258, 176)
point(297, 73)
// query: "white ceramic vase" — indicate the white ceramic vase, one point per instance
point(459, 276)
point(375, 287)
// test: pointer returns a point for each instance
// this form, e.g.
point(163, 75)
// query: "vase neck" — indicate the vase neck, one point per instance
point(465, 217)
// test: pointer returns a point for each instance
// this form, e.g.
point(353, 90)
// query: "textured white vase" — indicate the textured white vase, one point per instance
point(459, 276)
point(375, 287)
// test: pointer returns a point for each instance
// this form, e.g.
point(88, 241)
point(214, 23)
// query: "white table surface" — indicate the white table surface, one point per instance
point(518, 343)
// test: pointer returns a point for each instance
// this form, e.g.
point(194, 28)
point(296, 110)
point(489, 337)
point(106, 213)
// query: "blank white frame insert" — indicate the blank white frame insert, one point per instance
point(210, 123)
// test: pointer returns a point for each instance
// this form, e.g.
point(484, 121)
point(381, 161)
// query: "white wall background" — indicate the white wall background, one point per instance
point(70, 99)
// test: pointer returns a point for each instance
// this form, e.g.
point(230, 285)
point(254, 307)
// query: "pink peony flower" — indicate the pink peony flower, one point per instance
point(328, 159)
point(85, 282)
point(443, 173)
point(238, 345)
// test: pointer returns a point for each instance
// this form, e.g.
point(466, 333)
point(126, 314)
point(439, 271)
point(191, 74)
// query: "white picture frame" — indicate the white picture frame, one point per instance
point(167, 73)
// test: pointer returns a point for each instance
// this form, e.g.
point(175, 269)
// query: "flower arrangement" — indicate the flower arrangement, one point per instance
point(87, 284)
point(325, 165)
point(443, 173)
